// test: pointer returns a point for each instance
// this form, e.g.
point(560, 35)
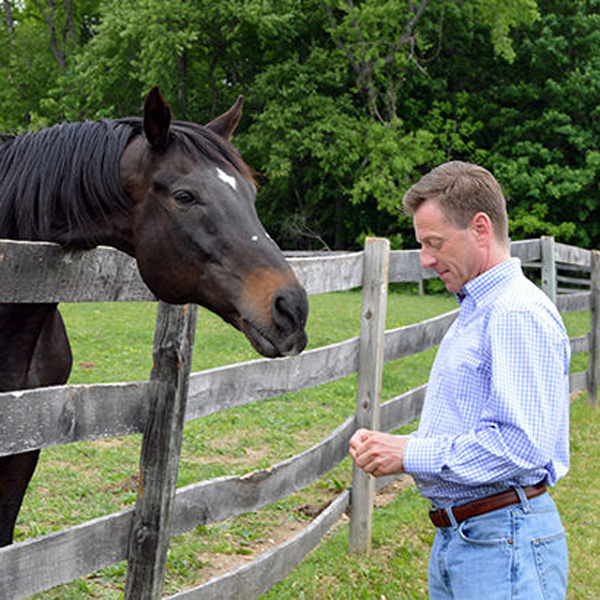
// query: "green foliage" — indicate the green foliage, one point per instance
point(545, 127)
point(347, 103)
point(502, 16)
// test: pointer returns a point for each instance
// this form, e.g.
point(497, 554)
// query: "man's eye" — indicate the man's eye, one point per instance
point(433, 247)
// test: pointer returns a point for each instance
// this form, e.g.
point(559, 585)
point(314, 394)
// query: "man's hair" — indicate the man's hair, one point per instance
point(461, 190)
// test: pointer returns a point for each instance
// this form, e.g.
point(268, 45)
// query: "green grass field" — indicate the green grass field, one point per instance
point(78, 482)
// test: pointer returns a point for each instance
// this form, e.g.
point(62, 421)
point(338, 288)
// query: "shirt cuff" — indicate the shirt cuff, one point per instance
point(424, 457)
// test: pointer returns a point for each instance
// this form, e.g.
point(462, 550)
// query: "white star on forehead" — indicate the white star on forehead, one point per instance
point(227, 178)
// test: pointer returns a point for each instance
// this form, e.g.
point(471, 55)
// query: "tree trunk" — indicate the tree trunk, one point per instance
point(10, 24)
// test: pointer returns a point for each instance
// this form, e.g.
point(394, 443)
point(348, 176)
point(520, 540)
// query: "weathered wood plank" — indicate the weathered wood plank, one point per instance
point(50, 416)
point(370, 374)
point(161, 446)
point(39, 564)
point(405, 266)
point(549, 283)
point(573, 302)
point(580, 344)
point(402, 409)
point(255, 578)
point(44, 272)
point(572, 255)
point(225, 387)
point(593, 374)
point(324, 274)
point(563, 267)
point(411, 339)
point(578, 281)
point(219, 499)
point(578, 381)
point(526, 250)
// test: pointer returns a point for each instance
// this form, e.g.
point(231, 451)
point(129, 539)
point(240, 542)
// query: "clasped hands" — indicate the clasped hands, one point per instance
point(378, 453)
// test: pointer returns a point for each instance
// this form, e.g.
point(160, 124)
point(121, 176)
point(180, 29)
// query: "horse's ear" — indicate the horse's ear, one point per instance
point(225, 124)
point(157, 118)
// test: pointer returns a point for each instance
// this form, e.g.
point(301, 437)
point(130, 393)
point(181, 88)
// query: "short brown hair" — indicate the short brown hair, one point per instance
point(462, 190)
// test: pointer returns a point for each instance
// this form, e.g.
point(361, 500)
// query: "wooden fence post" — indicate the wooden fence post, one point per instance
point(370, 372)
point(594, 334)
point(549, 275)
point(159, 459)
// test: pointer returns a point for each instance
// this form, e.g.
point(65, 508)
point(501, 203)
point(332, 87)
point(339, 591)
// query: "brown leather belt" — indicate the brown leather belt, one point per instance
point(484, 505)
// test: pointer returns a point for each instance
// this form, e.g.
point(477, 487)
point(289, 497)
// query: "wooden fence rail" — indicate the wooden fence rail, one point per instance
point(40, 272)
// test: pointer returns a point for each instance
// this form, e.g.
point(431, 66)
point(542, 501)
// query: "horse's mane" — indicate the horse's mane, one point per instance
point(60, 183)
point(61, 179)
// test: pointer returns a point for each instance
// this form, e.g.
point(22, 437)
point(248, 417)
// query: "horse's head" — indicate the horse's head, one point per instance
point(196, 235)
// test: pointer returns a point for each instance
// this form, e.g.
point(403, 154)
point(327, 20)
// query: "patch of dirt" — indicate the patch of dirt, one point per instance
point(218, 448)
point(87, 366)
point(130, 484)
point(387, 494)
point(218, 564)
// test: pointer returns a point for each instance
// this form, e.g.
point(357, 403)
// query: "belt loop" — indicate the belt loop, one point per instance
point(523, 498)
point(451, 517)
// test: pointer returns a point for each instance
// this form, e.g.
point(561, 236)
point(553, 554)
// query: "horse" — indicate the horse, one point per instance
point(175, 195)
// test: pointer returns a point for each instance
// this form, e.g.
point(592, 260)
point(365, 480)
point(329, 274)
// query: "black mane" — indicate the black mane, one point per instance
point(59, 183)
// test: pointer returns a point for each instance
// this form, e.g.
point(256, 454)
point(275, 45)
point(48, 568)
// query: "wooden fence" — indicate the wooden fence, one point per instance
point(40, 272)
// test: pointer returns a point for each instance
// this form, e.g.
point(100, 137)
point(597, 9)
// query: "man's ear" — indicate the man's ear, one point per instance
point(482, 227)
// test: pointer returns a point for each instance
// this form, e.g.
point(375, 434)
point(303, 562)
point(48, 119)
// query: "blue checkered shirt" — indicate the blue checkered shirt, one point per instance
point(496, 411)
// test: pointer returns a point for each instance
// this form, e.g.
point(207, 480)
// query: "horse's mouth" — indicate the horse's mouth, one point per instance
point(288, 346)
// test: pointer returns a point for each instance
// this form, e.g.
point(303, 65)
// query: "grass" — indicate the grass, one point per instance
point(78, 482)
point(402, 537)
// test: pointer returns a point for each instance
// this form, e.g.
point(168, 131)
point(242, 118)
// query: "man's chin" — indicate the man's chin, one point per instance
point(450, 285)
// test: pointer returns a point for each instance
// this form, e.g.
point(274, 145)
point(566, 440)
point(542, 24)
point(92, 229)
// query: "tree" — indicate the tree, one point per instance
point(347, 101)
point(37, 38)
point(542, 114)
point(341, 136)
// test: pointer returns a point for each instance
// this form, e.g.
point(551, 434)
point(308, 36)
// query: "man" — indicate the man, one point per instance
point(493, 433)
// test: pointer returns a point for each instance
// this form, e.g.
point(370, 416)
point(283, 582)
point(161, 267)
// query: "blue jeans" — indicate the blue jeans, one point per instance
point(518, 552)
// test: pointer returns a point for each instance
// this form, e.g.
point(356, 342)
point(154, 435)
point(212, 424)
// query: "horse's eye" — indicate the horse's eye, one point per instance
point(184, 197)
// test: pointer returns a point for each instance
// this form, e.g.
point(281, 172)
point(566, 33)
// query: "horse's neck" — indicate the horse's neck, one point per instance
point(34, 348)
point(116, 233)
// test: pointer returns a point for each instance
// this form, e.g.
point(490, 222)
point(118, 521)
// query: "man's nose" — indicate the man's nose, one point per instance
point(427, 260)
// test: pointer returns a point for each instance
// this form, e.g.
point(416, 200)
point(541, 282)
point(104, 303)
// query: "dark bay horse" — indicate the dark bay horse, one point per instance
point(177, 197)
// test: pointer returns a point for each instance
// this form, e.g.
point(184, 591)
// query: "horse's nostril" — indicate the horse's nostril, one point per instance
point(290, 309)
point(283, 313)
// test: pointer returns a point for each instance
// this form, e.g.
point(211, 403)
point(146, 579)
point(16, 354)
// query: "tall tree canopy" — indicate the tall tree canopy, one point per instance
point(347, 101)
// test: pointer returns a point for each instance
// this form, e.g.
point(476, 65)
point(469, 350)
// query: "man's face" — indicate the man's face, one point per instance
point(455, 254)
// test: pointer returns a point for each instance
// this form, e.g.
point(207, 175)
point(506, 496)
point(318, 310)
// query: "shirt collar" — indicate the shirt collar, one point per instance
point(482, 286)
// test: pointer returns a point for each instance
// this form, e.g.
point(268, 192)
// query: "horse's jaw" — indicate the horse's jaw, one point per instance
point(289, 345)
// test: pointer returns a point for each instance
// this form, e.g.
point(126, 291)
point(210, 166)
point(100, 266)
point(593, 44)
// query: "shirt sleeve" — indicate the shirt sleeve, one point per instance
point(520, 418)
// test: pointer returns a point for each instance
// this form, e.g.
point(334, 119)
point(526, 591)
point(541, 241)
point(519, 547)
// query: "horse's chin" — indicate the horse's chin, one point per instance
point(289, 346)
